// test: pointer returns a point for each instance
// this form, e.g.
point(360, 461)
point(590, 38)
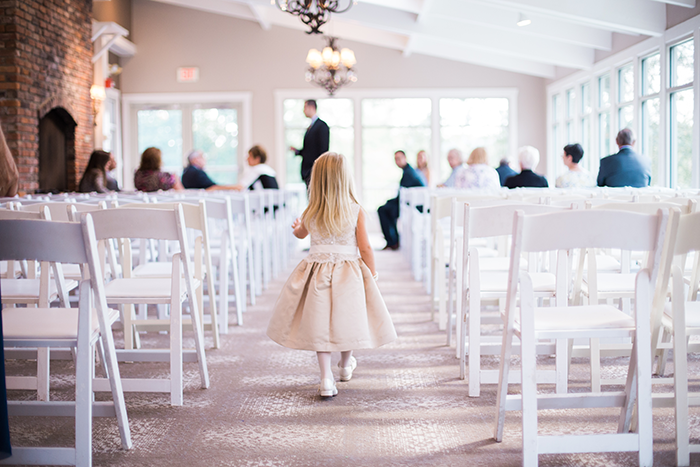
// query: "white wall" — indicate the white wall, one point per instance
point(236, 55)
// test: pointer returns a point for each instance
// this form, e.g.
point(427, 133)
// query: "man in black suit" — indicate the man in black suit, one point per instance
point(315, 141)
point(626, 168)
point(528, 157)
point(389, 212)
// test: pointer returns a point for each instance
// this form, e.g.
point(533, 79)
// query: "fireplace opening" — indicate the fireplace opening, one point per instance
point(56, 150)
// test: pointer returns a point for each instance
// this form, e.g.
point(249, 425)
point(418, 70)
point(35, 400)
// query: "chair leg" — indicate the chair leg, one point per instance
point(43, 363)
point(462, 343)
point(240, 297)
point(176, 384)
point(504, 374)
point(562, 365)
point(83, 385)
point(595, 364)
point(474, 329)
point(223, 290)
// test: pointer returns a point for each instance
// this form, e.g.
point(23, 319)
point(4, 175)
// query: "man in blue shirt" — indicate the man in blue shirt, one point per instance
point(195, 177)
point(389, 212)
point(626, 168)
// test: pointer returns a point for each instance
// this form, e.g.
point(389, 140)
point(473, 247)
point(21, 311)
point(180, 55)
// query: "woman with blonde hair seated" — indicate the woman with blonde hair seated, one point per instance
point(478, 174)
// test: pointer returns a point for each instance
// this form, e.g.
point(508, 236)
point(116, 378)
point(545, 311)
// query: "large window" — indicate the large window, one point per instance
point(178, 123)
point(586, 130)
point(652, 88)
point(337, 113)
point(681, 100)
point(603, 116)
point(472, 122)
point(651, 116)
point(387, 126)
point(625, 96)
point(369, 126)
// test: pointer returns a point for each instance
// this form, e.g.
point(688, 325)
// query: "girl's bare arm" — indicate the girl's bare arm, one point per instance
point(363, 243)
point(299, 229)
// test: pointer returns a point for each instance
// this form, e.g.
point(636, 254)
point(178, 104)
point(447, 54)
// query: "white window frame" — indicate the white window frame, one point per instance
point(635, 54)
point(357, 95)
point(129, 123)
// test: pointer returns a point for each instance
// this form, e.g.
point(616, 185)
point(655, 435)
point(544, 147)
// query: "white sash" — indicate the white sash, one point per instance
point(339, 249)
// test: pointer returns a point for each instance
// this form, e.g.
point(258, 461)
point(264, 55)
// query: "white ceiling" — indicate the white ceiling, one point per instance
point(563, 33)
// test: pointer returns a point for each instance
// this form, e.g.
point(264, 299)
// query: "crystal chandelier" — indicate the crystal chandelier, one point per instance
point(314, 13)
point(331, 68)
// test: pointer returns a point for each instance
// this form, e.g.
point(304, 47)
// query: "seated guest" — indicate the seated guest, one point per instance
point(149, 177)
point(576, 176)
point(194, 176)
point(258, 175)
point(528, 157)
point(110, 182)
point(456, 161)
point(504, 170)
point(478, 174)
point(626, 168)
point(389, 212)
point(95, 175)
point(422, 166)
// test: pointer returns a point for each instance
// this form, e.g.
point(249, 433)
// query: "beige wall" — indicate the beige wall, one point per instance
point(235, 55)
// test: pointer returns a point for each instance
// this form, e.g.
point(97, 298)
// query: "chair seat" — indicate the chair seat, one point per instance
point(23, 324)
point(71, 272)
point(498, 282)
point(498, 264)
point(23, 290)
point(580, 321)
point(157, 269)
point(692, 315)
point(143, 288)
point(604, 263)
point(609, 283)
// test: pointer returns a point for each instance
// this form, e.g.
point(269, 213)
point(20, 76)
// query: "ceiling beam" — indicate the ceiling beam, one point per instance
point(623, 16)
point(445, 49)
point(259, 15)
point(685, 3)
point(505, 19)
point(475, 36)
point(412, 6)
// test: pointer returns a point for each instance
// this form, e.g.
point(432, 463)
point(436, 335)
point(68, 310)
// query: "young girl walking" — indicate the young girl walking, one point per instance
point(331, 302)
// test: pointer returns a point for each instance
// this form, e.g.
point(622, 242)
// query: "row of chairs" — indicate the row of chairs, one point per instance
point(479, 271)
point(249, 242)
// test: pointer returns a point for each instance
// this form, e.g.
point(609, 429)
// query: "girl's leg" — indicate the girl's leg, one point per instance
point(324, 364)
point(345, 358)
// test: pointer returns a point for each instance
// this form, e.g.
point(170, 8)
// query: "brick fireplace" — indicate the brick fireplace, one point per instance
point(45, 78)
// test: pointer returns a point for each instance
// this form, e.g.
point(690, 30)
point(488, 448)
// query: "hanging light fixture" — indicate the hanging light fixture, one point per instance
point(331, 68)
point(314, 13)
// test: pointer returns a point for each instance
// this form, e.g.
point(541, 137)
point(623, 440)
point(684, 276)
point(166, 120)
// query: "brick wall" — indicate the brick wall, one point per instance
point(45, 62)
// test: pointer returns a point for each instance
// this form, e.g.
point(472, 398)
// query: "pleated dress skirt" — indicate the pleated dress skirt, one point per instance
point(329, 307)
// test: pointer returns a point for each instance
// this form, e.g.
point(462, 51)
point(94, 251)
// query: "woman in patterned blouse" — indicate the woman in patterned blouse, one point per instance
point(576, 176)
point(149, 176)
point(478, 174)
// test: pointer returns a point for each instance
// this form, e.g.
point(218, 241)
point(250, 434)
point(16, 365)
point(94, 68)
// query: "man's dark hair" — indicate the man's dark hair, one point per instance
point(401, 151)
point(625, 137)
point(575, 151)
point(312, 103)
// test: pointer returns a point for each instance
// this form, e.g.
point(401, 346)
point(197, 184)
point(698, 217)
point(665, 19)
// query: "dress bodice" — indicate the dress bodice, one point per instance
point(333, 248)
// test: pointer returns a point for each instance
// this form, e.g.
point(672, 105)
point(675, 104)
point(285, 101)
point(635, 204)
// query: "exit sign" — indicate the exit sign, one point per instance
point(188, 74)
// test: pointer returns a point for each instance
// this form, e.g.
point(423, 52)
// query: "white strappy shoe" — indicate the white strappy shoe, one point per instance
point(346, 372)
point(327, 388)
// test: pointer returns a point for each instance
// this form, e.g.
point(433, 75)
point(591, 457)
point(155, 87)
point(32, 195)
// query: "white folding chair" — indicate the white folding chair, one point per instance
point(482, 280)
point(80, 328)
point(157, 224)
point(196, 219)
point(562, 232)
point(681, 319)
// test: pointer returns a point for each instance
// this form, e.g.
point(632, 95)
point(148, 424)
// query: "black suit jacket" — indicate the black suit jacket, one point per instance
point(626, 168)
point(316, 142)
point(526, 178)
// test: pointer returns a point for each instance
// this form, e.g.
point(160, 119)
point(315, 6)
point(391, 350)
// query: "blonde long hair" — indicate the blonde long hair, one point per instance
point(331, 195)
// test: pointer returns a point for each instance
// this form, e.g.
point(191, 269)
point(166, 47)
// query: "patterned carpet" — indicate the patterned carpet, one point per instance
point(404, 406)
